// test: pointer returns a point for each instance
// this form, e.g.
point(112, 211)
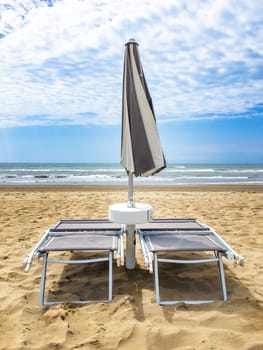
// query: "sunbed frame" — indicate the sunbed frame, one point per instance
point(88, 236)
point(173, 235)
point(157, 238)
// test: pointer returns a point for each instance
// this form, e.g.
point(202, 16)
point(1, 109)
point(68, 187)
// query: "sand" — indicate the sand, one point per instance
point(132, 320)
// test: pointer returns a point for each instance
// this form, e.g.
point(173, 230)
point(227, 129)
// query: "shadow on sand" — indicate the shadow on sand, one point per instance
point(136, 287)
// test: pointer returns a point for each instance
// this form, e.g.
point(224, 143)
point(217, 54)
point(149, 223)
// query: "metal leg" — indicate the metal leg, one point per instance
point(43, 279)
point(156, 278)
point(217, 259)
point(121, 248)
point(86, 261)
point(222, 276)
point(110, 275)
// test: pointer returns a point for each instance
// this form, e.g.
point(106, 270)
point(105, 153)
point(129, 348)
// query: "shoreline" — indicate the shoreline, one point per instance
point(139, 188)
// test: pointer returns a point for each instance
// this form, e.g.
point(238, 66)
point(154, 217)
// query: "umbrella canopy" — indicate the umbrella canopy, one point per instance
point(141, 151)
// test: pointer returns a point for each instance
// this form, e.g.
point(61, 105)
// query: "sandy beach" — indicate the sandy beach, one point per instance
point(132, 320)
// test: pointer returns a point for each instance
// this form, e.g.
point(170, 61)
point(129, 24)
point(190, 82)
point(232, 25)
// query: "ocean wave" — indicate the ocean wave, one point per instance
point(185, 170)
point(113, 173)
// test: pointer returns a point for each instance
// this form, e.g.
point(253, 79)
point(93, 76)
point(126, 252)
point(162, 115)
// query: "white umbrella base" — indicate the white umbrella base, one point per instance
point(130, 216)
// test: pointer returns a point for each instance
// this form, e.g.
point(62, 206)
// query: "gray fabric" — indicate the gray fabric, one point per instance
point(172, 225)
point(84, 232)
point(85, 225)
point(141, 152)
point(174, 242)
point(80, 242)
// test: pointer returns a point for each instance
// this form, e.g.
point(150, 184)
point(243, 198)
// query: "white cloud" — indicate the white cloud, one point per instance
point(63, 64)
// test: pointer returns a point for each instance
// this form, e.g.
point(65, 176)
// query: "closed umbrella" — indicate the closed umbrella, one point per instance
point(141, 151)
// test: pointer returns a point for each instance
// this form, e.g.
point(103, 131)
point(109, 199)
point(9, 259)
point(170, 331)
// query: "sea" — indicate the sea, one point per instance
point(110, 174)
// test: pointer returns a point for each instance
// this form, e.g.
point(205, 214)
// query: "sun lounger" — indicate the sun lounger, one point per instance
point(103, 226)
point(164, 236)
point(89, 236)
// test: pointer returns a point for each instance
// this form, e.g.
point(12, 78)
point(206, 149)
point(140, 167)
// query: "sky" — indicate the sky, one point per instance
point(61, 67)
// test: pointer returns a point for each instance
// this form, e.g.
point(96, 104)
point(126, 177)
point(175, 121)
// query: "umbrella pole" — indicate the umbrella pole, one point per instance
point(130, 191)
point(130, 238)
point(130, 246)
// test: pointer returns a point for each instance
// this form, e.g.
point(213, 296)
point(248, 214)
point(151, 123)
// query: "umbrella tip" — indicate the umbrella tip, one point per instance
point(131, 41)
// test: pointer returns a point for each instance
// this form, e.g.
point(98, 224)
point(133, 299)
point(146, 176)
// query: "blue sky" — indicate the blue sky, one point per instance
point(61, 78)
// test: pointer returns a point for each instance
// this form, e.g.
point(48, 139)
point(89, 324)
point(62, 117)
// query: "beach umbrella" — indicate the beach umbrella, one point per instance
point(141, 151)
